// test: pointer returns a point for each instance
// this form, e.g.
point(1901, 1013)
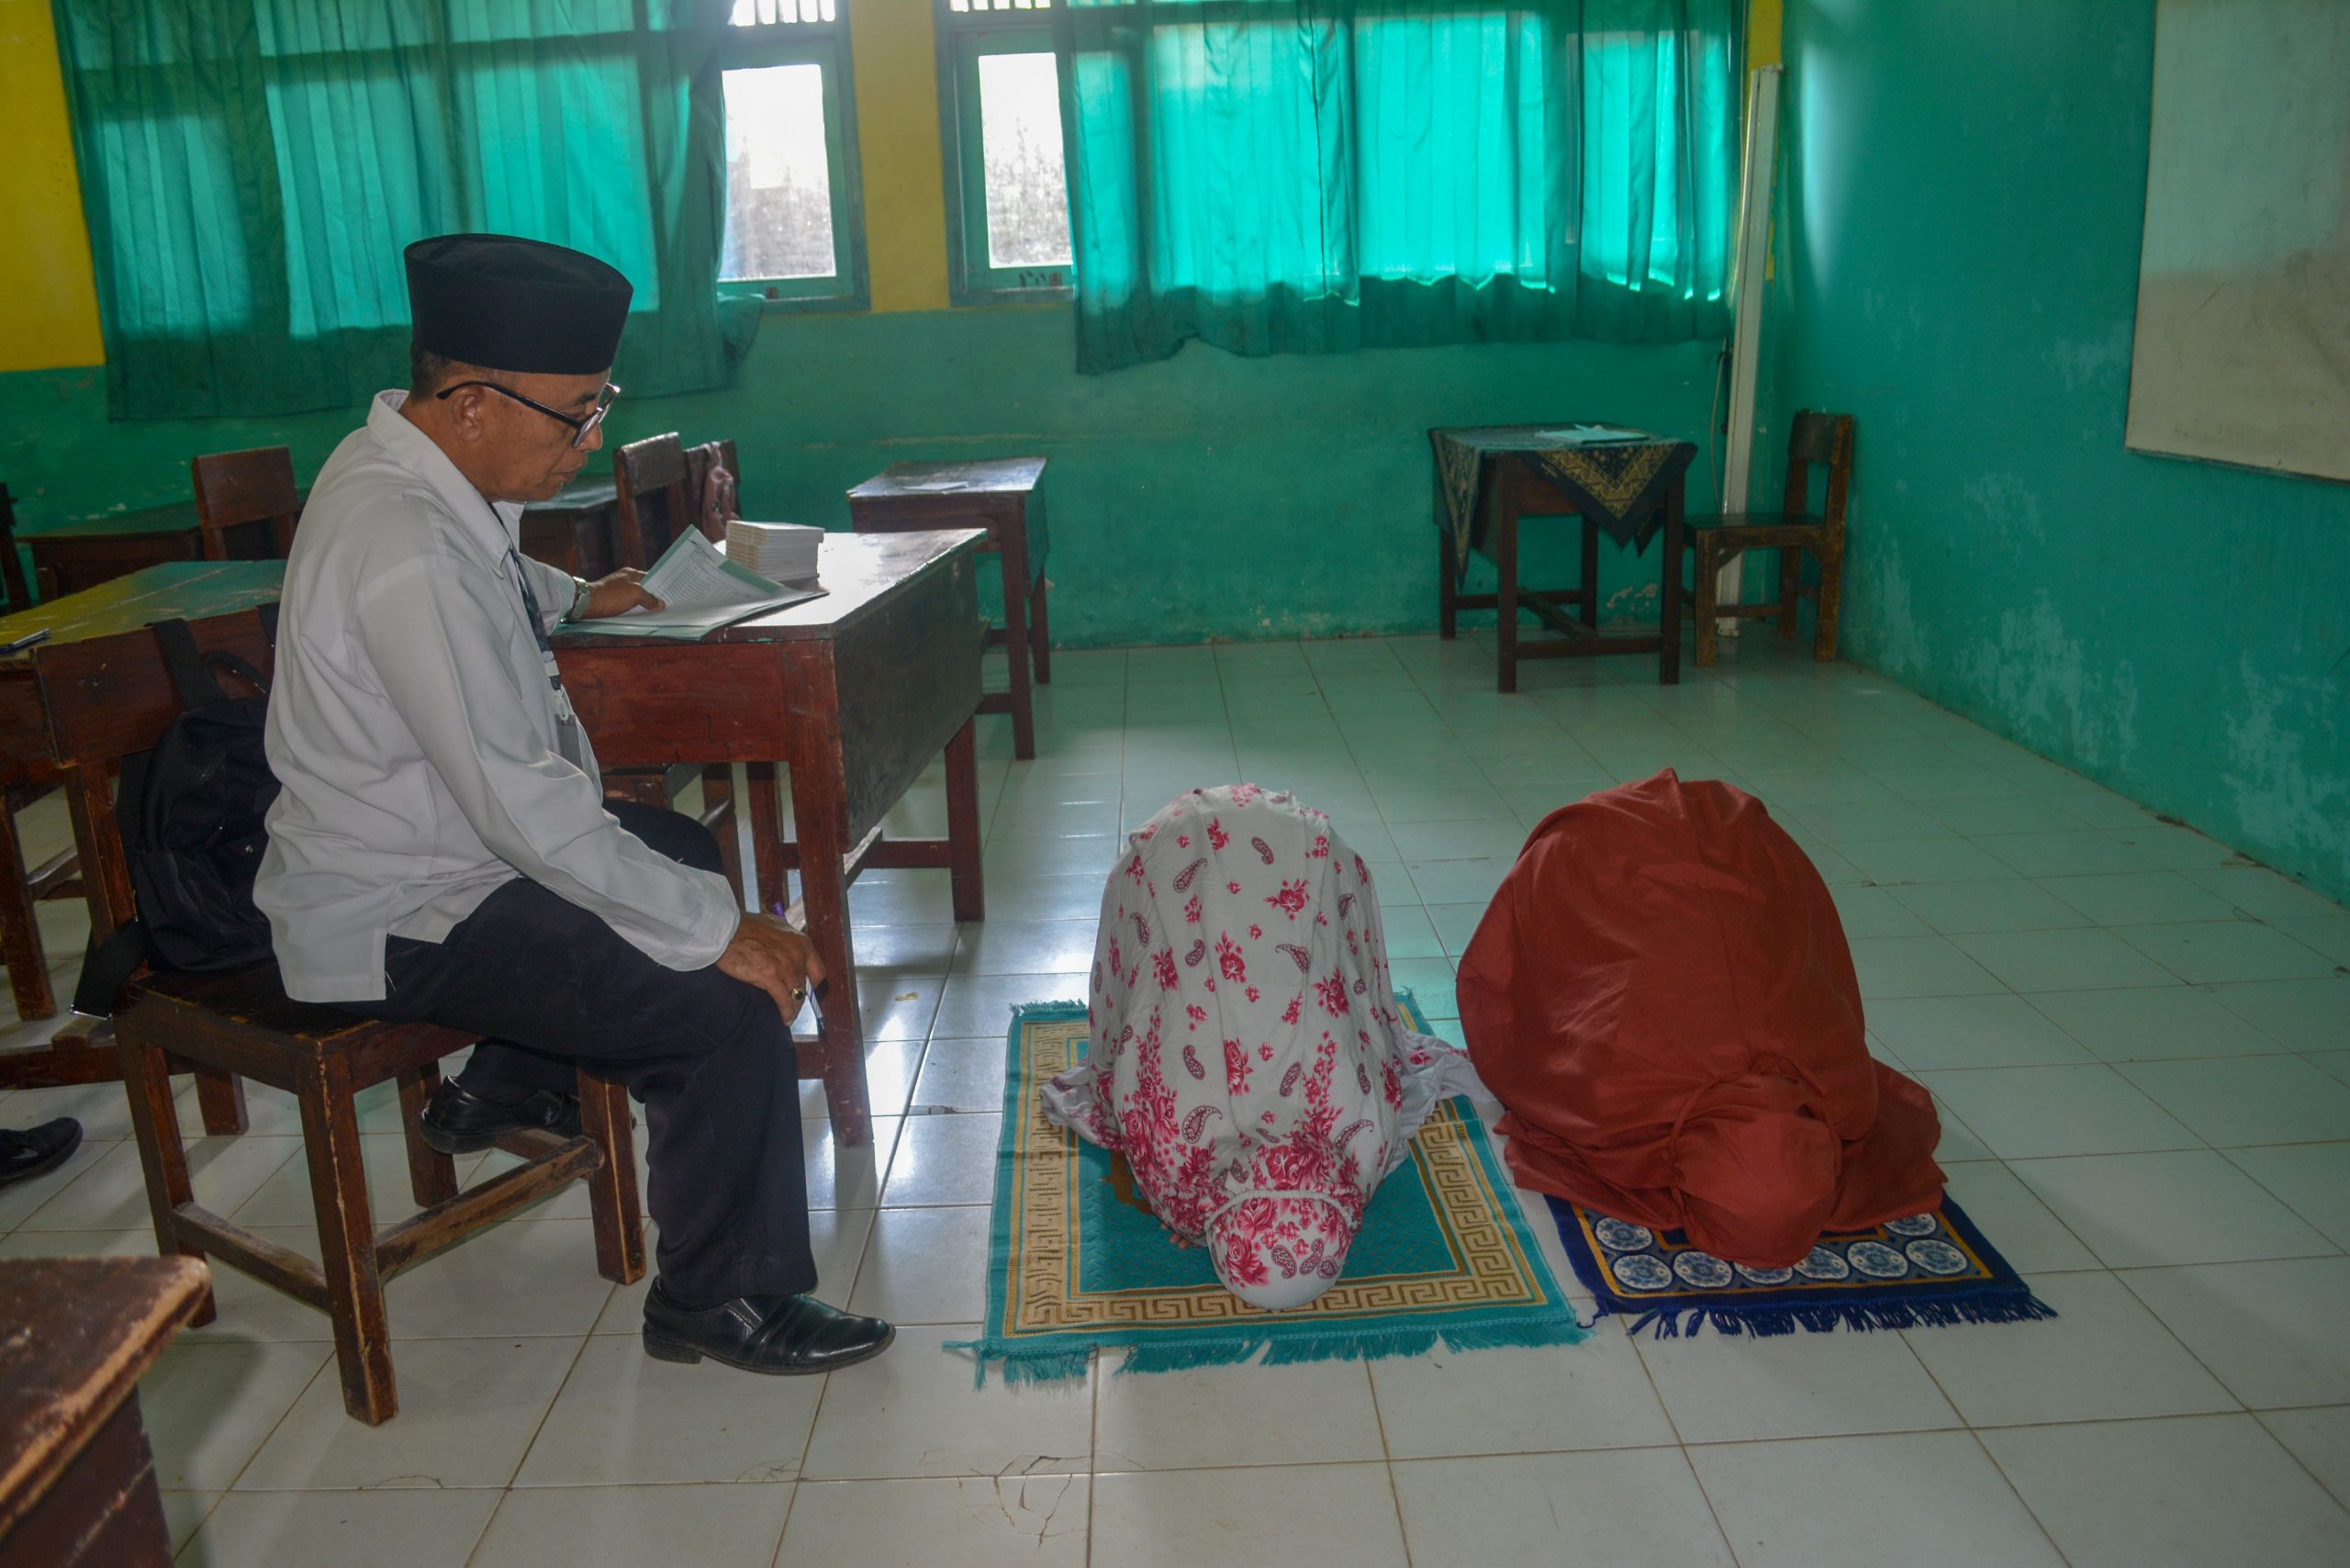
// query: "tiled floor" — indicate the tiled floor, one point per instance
point(2140, 1042)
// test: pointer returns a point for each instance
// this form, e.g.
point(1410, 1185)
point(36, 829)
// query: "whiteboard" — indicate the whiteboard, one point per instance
point(2242, 346)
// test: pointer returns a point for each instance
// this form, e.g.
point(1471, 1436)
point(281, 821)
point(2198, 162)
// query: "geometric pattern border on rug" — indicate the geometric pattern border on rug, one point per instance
point(1923, 1271)
point(1446, 1255)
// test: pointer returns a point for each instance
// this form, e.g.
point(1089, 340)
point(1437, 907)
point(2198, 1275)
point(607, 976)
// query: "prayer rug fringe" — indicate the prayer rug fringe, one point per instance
point(1021, 1361)
point(1763, 1322)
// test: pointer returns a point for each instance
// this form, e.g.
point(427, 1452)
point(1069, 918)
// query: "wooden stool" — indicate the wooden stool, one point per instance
point(106, 699)
point(1005, 496)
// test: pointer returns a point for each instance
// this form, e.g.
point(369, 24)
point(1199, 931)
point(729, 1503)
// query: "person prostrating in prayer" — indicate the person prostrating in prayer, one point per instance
point(442, 849)
point(1246, 1052)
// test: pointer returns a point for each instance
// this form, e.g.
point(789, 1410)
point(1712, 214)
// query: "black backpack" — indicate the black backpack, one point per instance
point(191, 811)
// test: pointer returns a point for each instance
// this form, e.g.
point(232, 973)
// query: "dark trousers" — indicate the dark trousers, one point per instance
point(553, 988)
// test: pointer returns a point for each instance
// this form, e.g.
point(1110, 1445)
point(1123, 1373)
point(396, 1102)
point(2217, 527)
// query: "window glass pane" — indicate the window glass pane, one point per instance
point(778, 180)
point(1020, 142)
point(757, 12)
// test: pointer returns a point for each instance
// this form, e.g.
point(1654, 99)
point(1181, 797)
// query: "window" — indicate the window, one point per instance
point(793, 234)
point(999, 109)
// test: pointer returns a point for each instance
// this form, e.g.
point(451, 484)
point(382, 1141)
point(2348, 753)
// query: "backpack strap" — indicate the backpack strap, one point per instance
point(107, 967)
point(192, 677)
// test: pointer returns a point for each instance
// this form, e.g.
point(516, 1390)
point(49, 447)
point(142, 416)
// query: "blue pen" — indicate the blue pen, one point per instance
point(26, 641)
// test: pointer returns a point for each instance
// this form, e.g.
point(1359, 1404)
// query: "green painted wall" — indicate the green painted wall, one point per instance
point(1965, 188)
point(1206, 496)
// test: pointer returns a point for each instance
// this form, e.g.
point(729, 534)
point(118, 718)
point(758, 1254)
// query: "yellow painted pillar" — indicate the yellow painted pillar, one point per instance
point(48, 300)
point(893, 44)
point(1764, 22)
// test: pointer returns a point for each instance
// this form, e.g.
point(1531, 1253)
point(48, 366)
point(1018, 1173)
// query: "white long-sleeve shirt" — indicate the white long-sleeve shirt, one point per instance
point(416, 734)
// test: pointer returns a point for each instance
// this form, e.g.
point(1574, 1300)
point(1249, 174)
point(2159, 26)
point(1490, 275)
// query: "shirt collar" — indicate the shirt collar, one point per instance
point(415, 451)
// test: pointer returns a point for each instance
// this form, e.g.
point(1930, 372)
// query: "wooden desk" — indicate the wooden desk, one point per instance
point(77, 1479)
point(1006, 497)
point(187, 591)
point(1489, 476)
point(854, 692)
point(572, 530)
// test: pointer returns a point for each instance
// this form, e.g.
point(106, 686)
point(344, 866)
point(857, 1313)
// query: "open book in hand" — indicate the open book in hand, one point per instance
point(701, 591)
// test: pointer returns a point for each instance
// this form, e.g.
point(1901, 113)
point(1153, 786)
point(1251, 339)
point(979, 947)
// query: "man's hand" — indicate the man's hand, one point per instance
point(773, 957)
point(616, 595)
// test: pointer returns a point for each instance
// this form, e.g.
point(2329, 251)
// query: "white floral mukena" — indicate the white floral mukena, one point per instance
point(1247, 1054)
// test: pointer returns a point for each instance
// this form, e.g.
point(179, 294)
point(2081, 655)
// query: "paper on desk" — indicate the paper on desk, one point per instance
point(1593, 435)
point(936, 485)
point(701, 591)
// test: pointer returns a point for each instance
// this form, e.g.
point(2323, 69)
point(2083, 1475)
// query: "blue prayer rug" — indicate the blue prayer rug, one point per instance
point(1921, 1272)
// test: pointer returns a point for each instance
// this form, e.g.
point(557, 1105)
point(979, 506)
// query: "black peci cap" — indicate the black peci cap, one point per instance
point(521, 305)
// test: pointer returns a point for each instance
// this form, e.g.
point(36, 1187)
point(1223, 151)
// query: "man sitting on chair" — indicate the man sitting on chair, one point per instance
point(442, 852)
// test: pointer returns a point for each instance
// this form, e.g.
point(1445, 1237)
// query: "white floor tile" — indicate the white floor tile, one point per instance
point(2218, 952)
point(1946, 1032)
point(2179, 1494)
point(2300, 1016)
point(1957, 909)
point(925, 1266)
point(625, 1418)
point(2272, 1331)
point(1894, 966)
point(2138, 898)
point(1453, 1404)
point(2104, 1357)
point(350, 1529)
point(2020, 1113)
point(2083, 959)
point(1935, 1500)
point(2319, 1440)
point(209, 1406)
point(2249, 1100)
point(636, 1525)
point(914, 1412)
point(1177, 1518)
point(1723, 1388)
point(843, 1178)
point(2313, 1178)
point(1311, 1413)
point(2186, 1206)
point(1625, 1508)
point(470, 1290)
point(2151, 1023)
point(944, 1160)
point(1013, 1521)
point(468, 1410)
point(2028, 1236)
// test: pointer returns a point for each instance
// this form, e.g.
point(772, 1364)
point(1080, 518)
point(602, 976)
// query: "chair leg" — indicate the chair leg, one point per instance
point(1831, 594)
point(1790, 593)
point(611, 1188)
point(1701, 606)
point(1039, 631)
point(221, 1097)
point(431, 1175)
point(362, 1346)
point(155, 1124)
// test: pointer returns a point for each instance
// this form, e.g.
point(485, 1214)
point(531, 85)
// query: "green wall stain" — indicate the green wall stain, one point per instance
point(1962, 190)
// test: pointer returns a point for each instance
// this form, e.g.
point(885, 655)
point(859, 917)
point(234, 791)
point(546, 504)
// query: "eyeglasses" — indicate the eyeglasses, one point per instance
point(581, 429)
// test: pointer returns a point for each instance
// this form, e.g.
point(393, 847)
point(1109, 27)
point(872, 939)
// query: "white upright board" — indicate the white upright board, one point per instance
point(2242, 348)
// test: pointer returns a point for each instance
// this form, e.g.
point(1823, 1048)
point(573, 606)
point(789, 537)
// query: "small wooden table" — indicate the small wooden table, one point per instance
point(575, 529)
point(854, 692)
point(1488, 477)
point(183, 590)
point(77, 1479)
point(1005, 496)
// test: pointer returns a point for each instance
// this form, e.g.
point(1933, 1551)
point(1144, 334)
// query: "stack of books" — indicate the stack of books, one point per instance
point(782, 552)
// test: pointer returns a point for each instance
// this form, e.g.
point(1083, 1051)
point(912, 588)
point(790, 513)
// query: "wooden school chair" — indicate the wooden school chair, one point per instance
point(1794, 532)
point(234, 489)
point(110, 697)
point(714, 487)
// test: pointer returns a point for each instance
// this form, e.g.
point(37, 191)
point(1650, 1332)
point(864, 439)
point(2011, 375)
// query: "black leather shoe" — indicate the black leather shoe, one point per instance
point(781, 1335)
point(25, 1155)
point(458, 1121)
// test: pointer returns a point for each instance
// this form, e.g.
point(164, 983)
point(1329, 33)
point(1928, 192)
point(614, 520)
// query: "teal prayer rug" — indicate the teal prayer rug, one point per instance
point(1078, 1262)
point(1924, 1270)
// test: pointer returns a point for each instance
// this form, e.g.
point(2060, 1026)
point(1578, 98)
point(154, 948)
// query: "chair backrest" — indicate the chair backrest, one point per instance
point(12, 570)
point(105, 699)
point(654, 498)
point(716, 501)
point(233, 489)
point(1820, 438)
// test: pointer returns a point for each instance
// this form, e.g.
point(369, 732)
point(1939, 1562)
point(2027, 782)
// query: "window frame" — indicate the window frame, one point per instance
point(826, 46)
point(964, 37)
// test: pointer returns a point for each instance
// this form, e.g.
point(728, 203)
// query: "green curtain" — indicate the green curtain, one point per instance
point(252, 170)
point(1302, 176)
